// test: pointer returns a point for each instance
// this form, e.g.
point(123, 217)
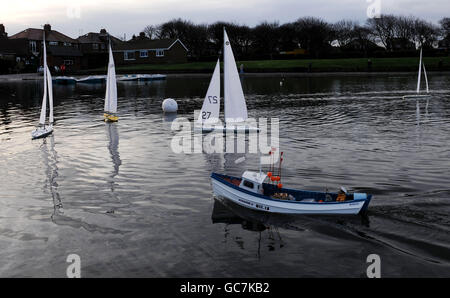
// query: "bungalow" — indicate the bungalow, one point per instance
point(61, 49)
point(142, 50)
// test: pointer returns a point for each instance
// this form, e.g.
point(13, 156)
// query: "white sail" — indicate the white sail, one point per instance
point(425, 75)
point(234, 101)
point(420, 69)
point(111, 86)
point(211, 104)
point(44, 98)
point(50, 95)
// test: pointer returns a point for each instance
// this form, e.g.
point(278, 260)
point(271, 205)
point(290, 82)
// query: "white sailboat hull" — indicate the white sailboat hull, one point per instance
point(231, 128)
point(42, 132)
point(277, 206)
point(417, 96)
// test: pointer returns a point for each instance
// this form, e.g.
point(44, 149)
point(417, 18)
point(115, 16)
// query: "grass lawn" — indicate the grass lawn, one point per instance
point(298, 65)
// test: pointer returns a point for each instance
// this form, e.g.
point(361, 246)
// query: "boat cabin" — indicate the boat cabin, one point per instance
point(253, 181)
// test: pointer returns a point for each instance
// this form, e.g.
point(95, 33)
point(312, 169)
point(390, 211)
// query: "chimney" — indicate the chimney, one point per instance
point(142, 35)
point(47, 28)
point(103, 32)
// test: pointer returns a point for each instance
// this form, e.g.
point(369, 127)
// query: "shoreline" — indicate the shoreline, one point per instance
point(35, 76)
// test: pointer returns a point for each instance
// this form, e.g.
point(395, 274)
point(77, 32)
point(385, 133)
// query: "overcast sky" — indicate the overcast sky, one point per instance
point(76, 17)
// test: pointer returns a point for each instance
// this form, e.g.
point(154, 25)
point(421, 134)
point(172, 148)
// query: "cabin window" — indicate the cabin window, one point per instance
point(248, 184)
point(143, 54)
point(159, 53)
point(52, 43)
point(95, 46)
point(129, 55)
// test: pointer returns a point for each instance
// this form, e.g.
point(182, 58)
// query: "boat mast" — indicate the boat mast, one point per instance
point(224, 80)
point(420, 69)
point(44, 99)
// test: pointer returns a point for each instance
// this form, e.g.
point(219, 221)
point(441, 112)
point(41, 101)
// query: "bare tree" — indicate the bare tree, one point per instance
point(383, 29)
point(288, 39)
point(445, 28)
point(404, 28)
point(151, 31)
point(266, 37)
point(343, 31)
point(425, 33)
point(314, 34)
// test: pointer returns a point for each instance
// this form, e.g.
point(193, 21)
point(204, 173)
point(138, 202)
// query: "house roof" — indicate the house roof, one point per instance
point(94, 37)
point(37, 34)
point(144, 44)
point(64, 51)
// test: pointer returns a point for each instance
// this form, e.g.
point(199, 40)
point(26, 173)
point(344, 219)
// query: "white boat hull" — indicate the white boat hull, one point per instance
point(41, 132)
point(417, 96)
point(221, 128)
point(279, 206)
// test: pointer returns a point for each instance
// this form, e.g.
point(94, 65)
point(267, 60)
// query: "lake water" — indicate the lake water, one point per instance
point(116, 195)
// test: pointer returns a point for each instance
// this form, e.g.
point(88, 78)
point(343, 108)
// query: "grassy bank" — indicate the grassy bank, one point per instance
point(317, 65)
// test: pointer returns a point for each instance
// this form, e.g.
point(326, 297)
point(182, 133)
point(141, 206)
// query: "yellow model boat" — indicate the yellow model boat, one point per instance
point(110, 118)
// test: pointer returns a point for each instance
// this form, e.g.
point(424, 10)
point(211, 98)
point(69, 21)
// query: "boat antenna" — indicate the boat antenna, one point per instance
point(260, 166)
point(279, 166)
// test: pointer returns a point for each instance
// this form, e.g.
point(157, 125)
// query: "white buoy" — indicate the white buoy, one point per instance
point(169, 105)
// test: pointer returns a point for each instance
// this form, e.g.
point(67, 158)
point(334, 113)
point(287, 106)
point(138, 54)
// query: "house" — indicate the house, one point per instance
point(61, 49)
point(94, 47)
point(13, 54)
point(142, 50)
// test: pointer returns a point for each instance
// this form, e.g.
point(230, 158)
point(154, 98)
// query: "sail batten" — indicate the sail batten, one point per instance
point(211, 104)
point(234, 100)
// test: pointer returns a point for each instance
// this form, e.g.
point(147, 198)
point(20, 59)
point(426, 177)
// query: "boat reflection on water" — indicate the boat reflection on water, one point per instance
point(229, 213)
point(50, 158)
point(113, 147)
point(418, 113)
point(169, 117)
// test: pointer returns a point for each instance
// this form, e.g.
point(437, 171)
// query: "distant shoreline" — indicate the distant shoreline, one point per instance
point(35, 76)
point(294, 67)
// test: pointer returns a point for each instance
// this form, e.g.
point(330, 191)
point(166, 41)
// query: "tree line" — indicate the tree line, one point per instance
point(387, 35)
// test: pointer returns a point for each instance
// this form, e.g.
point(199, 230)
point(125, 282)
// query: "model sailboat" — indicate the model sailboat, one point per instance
point(111, 91)
point(235, 108)
point(419, 95)
point(43, 130)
